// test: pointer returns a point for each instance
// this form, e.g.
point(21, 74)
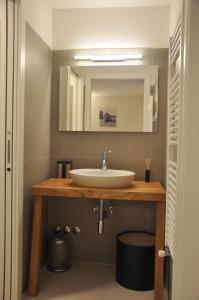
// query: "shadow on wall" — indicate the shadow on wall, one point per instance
point(37, 132)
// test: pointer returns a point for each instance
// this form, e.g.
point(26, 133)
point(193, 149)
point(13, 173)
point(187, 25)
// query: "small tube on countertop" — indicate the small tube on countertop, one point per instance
point(148, 170)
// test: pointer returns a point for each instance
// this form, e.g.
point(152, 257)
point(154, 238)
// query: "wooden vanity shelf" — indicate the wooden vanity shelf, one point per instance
point(138, 191)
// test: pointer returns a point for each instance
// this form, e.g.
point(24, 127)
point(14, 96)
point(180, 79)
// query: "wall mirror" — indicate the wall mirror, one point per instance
point(108, 98)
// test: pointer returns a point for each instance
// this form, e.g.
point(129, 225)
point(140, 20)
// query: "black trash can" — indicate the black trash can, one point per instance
point(58, 251)
point(135, 260)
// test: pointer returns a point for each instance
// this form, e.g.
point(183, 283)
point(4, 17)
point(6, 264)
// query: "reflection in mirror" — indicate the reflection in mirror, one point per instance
point(108, 98)
point(117, 104)
point(71, 101)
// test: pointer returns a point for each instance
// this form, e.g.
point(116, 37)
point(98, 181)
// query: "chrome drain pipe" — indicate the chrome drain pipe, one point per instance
point(103, 214)
point(101, 217)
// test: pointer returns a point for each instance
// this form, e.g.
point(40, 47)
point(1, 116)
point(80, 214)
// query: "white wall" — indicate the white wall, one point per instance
point(38, 14)
point(111, 28)
point(175, 11)
point(83, 28)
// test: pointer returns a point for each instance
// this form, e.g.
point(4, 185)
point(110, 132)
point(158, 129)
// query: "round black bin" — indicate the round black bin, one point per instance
point(135, 260)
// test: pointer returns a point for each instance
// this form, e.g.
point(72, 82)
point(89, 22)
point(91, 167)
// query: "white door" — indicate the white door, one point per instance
point(11, 149)
point(2, 140)
point(9, 146)
point(6, 110)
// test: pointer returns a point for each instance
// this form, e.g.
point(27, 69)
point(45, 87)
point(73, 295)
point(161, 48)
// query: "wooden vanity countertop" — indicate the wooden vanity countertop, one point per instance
point(138, 191)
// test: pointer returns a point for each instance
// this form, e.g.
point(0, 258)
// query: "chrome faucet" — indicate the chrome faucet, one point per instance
point(104, 159)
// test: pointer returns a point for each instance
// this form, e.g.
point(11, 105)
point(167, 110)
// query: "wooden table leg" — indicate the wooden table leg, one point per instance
point(36, 248)
point(159, 261)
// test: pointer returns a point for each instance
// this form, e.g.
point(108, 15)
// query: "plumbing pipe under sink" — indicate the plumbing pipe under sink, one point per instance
point(101, 217)
point(103, 214)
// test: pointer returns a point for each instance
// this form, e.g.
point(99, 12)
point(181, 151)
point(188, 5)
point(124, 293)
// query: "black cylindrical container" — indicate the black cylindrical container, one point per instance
point(67, 166)
point(58, 252)
point(135, 260)
point(147, 175)
point(60, 168)
point(63, 168)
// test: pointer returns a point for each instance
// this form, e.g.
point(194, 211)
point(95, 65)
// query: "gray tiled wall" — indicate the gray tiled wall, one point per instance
point(129, 151)
point(37, 131)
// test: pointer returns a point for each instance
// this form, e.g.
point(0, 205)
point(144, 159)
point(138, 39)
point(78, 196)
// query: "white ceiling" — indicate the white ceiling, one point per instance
point(64, 4)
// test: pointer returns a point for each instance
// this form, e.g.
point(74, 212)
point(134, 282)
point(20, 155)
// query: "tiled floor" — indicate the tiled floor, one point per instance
point(85, 282)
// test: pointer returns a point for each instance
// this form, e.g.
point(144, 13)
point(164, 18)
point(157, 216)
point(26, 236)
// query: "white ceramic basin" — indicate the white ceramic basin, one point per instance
point(102, 178)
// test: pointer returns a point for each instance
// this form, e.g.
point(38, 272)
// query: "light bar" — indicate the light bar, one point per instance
point(116, 57)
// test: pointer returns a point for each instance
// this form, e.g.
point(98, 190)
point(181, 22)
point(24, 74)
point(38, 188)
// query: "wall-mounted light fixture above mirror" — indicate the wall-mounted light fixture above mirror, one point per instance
point(113, 57)
point(112, 98)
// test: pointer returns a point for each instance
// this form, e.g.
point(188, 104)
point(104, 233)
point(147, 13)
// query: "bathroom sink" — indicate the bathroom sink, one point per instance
point(102, 178)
